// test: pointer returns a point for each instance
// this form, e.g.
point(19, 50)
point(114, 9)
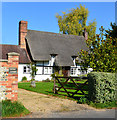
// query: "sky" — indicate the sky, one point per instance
point(41, 16)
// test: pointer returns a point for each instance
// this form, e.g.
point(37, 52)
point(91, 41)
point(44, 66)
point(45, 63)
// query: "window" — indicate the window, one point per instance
point(42, 63)
point(47, 70)
point(39, 70)
point(26, 69)
point(39, 64)
point(73, 71)
point(43, 68)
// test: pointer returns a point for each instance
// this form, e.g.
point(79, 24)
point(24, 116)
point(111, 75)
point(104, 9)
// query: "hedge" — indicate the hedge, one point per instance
point(101, 87)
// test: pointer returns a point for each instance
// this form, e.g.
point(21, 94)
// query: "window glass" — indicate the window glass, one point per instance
point(47, 70)
point(73, 71)
point(46, 63)
point(42, 63)
point(39, 70)
point(26, 69)
point(39, 63)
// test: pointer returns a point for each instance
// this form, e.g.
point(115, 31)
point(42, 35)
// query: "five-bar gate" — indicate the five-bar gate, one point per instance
point(71, 85)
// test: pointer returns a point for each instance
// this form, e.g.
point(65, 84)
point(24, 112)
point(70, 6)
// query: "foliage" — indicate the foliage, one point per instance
point(56, 74)
point(33, 73)
point(112, 33)
point(83, 100)
point(24, 78)
point(104, 105)
point(47, 80)
point(74, 21)
point(13, 109)
point(101, 87)
point(33, 70)
point(101, 55)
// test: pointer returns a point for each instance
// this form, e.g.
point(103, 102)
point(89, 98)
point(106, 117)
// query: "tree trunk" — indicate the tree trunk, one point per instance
point(33, 83)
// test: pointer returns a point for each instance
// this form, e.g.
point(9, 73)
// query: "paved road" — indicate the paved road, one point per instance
point(109, 113)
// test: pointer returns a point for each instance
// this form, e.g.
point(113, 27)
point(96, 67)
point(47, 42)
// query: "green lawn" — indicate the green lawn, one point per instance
point(47, 88)
point(41, 87)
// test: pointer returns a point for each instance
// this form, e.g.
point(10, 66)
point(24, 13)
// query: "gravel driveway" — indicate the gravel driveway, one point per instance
point(44, 106)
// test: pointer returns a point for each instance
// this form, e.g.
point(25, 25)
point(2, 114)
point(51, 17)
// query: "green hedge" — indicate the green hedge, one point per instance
point(101, 87)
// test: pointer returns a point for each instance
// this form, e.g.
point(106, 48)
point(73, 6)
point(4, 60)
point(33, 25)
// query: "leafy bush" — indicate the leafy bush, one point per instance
point(24, 78)
point(83, 100)
point(101, 87)
point(108, 105)
point(13, 109)
point(56, 74)
point(47, 80)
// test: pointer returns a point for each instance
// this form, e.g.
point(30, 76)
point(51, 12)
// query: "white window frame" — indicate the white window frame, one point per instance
point(47, 70)
point(73, 71)
point(26, 69)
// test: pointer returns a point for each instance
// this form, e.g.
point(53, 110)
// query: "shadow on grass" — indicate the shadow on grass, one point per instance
point(65, 95)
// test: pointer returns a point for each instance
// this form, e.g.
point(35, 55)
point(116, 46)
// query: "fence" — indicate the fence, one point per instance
point(73, 86)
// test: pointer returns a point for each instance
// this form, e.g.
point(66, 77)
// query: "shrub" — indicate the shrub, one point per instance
point(13, 109)
point(101, 87)
point(24, 78)
point(47, 80)
point(56, 74)
point(83, 100)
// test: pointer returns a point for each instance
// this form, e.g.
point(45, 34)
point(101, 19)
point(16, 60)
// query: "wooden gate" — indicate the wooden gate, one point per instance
point(73, 86)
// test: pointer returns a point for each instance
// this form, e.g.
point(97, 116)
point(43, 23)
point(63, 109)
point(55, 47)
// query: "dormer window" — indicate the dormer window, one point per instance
point(53, 57)
point(74, 60)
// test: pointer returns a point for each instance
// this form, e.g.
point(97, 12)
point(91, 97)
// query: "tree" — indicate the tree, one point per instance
point(113, 32)
point(101, 55)
point(33, 71)
point(74, 22)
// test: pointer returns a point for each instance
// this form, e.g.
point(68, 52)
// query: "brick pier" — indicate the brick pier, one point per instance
point(9, 77)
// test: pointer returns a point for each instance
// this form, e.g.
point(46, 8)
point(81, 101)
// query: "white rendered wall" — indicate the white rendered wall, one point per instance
point(42, 77)
point(21, 74)
point(37, 77)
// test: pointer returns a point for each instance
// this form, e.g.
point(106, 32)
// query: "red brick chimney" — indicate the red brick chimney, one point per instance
point(22, 33)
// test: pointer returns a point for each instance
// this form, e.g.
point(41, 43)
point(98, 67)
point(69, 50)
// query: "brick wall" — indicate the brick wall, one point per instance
point(9, 77)
point(22, 33)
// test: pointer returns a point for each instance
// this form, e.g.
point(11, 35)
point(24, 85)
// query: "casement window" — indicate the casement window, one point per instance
point(73, 70)
point(47, 70)
point(26, 69)
point(42, 63)
point(43, 68)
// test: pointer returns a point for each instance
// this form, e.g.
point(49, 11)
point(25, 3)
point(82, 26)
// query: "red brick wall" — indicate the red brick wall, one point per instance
point(9, 79)
point(22, 33)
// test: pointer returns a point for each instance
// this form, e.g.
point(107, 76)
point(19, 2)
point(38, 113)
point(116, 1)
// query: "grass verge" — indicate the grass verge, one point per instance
point(13, 109)
point(107, 105)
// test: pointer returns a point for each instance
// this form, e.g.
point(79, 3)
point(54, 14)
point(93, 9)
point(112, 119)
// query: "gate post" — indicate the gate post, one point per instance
point(9, 77)
point(54, 85)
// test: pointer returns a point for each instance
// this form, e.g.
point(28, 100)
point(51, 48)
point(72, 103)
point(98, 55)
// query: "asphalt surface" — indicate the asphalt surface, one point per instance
point(107, 113)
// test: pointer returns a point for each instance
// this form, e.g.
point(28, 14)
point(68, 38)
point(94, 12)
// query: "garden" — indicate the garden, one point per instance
point(99, 91)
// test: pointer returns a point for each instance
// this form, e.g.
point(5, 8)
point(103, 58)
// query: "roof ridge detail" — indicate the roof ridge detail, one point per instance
point(54, 33)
